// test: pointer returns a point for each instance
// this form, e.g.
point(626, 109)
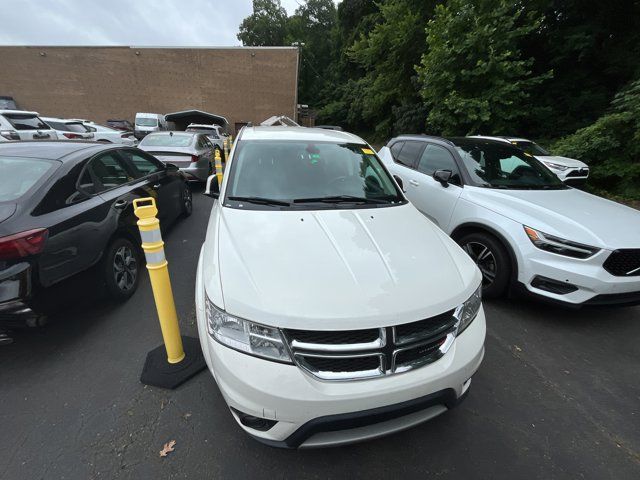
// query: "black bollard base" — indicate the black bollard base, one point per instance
point(157, 372)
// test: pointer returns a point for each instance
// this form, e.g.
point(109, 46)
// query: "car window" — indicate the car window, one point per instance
point(409, 153)
point(147, 122)
point(162, 140)
point(108, 172)
point(435, 158)
point(395, 149)
point(20, 174)
point(57, 125)
point(25, 121)
point(77, 127)
point(140, 164)
point(202, 142)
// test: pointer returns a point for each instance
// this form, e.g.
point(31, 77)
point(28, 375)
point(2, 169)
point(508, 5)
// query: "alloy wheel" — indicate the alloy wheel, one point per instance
point(125, 268)
point(187, 200)
point(484, 258)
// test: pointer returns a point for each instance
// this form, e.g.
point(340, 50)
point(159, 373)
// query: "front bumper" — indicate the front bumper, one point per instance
point(593, 284)
point(313, 413)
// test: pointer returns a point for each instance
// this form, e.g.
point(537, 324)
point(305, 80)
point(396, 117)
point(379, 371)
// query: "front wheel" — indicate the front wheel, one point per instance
point(121, 269)
point(492, 259)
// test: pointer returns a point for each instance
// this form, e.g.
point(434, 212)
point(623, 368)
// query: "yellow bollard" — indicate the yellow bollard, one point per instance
point(145, 209)
point(218, 163)
point(225, 146)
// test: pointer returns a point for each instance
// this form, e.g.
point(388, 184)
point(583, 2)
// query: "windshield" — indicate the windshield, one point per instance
point(25, 121)
point(175, 140)
point(20, 174)
point(316, 174)
point(499, 165)
point(147, 122)
point(531, 148)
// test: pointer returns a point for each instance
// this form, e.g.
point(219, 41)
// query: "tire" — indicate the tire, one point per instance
point(493, 260)
point(121, 265)
point(187, 201)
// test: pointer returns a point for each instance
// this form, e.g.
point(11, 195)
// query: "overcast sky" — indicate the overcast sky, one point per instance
point(125, 22)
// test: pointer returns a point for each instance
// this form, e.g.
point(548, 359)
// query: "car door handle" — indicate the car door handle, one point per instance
point(414, 183)
point(120, 204)
point(156, 186)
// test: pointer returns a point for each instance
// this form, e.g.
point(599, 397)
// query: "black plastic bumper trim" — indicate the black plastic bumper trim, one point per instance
point(346, 421)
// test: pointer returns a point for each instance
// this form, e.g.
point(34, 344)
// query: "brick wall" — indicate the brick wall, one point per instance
point(243, 84)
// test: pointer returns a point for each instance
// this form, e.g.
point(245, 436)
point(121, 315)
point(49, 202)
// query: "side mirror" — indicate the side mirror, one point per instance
point(399, 182)
point(212, 189)
point(443, 176)
point(171, 167)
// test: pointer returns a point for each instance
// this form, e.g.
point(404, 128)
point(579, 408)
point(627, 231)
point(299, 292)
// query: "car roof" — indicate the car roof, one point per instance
point(13, 112)
point(298, 133)
point(173, 132)
point(416, 136)
point(51, 150)
point(203, 125)
point(62, 120)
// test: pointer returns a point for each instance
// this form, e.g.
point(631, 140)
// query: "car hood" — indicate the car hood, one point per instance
point(571, 214)
point(569, 162)
point(6, 211)
point(339, 269)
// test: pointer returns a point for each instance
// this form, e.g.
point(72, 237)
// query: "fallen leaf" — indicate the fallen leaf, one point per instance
point(168, 447)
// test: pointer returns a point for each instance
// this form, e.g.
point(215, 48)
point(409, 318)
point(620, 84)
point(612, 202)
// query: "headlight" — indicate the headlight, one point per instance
point(558, 245)
point(555, 166)
point(466, 312)
point(245, 336)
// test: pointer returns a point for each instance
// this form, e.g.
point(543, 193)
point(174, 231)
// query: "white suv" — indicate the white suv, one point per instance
point(519, 222)
point(329, 309)
point(22, 125)
point(569, 170)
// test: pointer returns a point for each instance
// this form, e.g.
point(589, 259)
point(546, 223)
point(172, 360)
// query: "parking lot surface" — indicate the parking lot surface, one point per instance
point(558, 396)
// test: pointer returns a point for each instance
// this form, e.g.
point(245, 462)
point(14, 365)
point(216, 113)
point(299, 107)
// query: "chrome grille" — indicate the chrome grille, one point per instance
point(374, 352)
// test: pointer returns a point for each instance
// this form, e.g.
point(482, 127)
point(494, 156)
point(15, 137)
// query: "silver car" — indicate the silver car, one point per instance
point(192, 153)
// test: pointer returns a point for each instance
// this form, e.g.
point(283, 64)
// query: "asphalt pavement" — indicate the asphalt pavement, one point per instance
point(557, 397)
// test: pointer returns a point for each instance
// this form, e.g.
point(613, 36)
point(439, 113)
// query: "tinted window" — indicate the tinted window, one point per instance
point(22, 121)
point(140, 164)
point(108, 171)
point(57, 125)
point(64, 191)
point(395, 149)
point(202, 142)
point(77, 127)
point(409, 153)
point(294, 170)
point(175, 140)
point(20, 174)
point(435, 158)
point(531, 148)
point(500, 165)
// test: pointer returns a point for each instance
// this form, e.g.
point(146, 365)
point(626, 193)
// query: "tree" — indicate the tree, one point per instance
point(474, 77)
point(266, 26)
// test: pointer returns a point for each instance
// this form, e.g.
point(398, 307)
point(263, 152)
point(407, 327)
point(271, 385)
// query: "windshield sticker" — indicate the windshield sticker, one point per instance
point(367, 151)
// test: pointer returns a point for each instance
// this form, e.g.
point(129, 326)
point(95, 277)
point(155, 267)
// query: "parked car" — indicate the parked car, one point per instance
point(519, 222)
point(23, 125)
point(213, 132)
point(124, 125)
point(329, 310)
point(110, 135)
point(66, 207)
point(569, 170)
point(191, 152)
point(69, 129)
point(8, 103)
point(147, 123)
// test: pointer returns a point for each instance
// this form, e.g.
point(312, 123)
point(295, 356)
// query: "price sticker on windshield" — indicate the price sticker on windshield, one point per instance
point(367, 151)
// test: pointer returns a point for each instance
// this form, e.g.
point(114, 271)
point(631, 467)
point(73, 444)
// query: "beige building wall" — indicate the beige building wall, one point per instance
point(244, 84)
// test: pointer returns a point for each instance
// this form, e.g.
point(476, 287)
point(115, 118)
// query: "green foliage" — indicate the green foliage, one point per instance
point(611, 146)
point(267, 25)
point(474, 77)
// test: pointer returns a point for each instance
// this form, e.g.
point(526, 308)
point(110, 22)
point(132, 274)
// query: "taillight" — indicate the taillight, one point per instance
point(72, 135)
point(126, 135)
point(23, 244)
point(10, 134)
point(195, 158)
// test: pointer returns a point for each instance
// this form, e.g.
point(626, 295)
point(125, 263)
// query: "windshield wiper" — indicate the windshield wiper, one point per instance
point(340, 199)
point(261, 201)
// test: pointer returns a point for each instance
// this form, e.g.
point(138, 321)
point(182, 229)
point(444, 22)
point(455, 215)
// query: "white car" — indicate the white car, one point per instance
point(213, 133)
point(69, 129)
point(569, 170)
point(23, 125)
point(110, 135)
point(519, 222)
point(329, 310)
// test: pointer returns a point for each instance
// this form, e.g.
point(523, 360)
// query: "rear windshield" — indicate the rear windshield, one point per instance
point(77, 127)
point(20, 174)
point(7, 104)
point(147, 122)
point(175, 140)
point(209, 132)
point(25, 121)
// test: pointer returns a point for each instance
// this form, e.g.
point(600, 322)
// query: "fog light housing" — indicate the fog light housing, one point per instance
point(552, 286)
point(253, 422)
